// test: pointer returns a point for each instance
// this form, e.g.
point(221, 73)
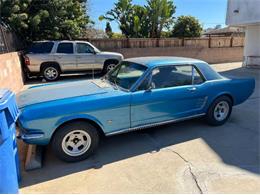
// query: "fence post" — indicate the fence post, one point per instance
point(4, 38)
point(157, 42)
point(231, 41)
point(182, 42)
point(209, 41)
point(127, 43)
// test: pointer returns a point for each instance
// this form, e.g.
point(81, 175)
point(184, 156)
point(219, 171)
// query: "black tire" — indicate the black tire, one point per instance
point(215, 118)
point(56, 70)
point(108, 64)
point(59, 138)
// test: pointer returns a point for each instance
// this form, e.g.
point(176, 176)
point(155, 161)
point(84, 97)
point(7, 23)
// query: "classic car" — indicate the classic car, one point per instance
point(139, 93)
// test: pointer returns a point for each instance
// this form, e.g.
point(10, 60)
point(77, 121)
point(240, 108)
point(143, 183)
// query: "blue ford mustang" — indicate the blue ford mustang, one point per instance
point(138, 93)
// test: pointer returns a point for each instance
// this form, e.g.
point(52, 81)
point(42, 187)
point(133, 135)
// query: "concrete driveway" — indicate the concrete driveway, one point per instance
point(187, 157)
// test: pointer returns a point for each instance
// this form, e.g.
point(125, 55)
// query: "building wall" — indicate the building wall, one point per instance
point(252, 46)
point(11, 76)
point(253, 40)
point(247, 13)
point(243, 12)
point(210, 55)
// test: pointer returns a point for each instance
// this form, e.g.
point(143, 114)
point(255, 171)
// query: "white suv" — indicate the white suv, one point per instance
point(52, 58)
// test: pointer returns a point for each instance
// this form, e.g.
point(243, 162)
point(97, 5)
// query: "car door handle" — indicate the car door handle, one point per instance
point(192, 89)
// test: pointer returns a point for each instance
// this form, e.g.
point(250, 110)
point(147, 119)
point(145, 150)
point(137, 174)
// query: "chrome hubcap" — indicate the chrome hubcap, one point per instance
point(221, 111)
point(111, 67)
point(51, 73)
point(76, 143)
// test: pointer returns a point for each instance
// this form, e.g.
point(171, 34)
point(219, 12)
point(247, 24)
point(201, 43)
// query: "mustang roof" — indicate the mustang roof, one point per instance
point(163, 60)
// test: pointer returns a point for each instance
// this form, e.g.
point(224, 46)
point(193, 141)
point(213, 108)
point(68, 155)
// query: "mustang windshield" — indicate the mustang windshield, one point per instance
point(126, 74)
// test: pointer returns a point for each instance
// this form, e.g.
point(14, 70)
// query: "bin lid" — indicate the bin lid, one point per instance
point(7, 101)
point(4, 96)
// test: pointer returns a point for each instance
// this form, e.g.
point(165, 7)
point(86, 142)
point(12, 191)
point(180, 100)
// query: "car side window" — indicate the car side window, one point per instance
point(66, 48)
point(173, 76)
point(41, 47)
point(84, 48)
point(197, 77)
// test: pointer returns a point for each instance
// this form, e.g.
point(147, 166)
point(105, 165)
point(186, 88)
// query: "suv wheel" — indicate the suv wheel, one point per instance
point(110, 65)
point(75, 141)
point(51, 73)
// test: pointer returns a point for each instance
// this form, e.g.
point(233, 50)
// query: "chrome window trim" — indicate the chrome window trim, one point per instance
point(153, 124)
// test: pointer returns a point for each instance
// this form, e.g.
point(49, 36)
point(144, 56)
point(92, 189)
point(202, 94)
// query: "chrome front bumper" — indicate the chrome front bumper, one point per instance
point(22, 134)
point(29, 136)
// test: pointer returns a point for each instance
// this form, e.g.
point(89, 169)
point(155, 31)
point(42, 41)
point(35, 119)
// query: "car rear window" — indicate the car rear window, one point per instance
point(41, 47)
point(65, 48)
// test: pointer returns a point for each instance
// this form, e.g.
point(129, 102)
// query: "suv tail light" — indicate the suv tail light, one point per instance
point(26, 60)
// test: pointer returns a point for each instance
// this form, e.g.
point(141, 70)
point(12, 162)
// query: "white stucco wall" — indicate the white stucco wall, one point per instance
point(253, 40)
point(252, 45)
point(247, 13)
point(243, 12)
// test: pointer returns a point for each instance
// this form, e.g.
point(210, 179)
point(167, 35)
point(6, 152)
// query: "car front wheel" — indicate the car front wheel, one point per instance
point(219, 111)
point(75, 141)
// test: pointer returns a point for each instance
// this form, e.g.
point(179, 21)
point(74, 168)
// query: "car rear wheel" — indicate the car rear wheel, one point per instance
point(219, 111)
point(75, 141)
point(51, 72)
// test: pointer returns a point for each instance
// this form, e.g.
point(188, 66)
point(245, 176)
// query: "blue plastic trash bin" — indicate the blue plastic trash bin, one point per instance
point(9, 159)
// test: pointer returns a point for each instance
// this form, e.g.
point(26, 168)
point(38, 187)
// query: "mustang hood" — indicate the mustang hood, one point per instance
point(51, 92)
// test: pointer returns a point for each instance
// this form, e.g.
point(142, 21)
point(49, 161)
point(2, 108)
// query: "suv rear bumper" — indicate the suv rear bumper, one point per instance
point(34, 69)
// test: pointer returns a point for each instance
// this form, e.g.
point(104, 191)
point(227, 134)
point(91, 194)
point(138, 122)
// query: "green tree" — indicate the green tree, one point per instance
point(121, 13)
point(161, 16)
point(109, 30)
point(36, 20)
point(187, 26)
point(141, 21)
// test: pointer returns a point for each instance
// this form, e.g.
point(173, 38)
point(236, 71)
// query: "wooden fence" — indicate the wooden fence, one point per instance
point(212, 42)
point(9, 42)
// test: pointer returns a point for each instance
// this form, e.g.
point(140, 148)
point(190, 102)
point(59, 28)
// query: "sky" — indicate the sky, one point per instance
point(209, 12)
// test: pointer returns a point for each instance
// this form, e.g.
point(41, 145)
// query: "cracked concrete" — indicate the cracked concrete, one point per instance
point(187, 157)
point(157, 146)
point(194, 177)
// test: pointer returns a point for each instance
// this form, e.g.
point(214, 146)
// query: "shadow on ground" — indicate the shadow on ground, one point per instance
point(236, 143)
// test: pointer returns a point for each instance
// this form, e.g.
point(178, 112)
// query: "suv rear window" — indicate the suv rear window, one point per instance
point(65, 48)
point(41, 47)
